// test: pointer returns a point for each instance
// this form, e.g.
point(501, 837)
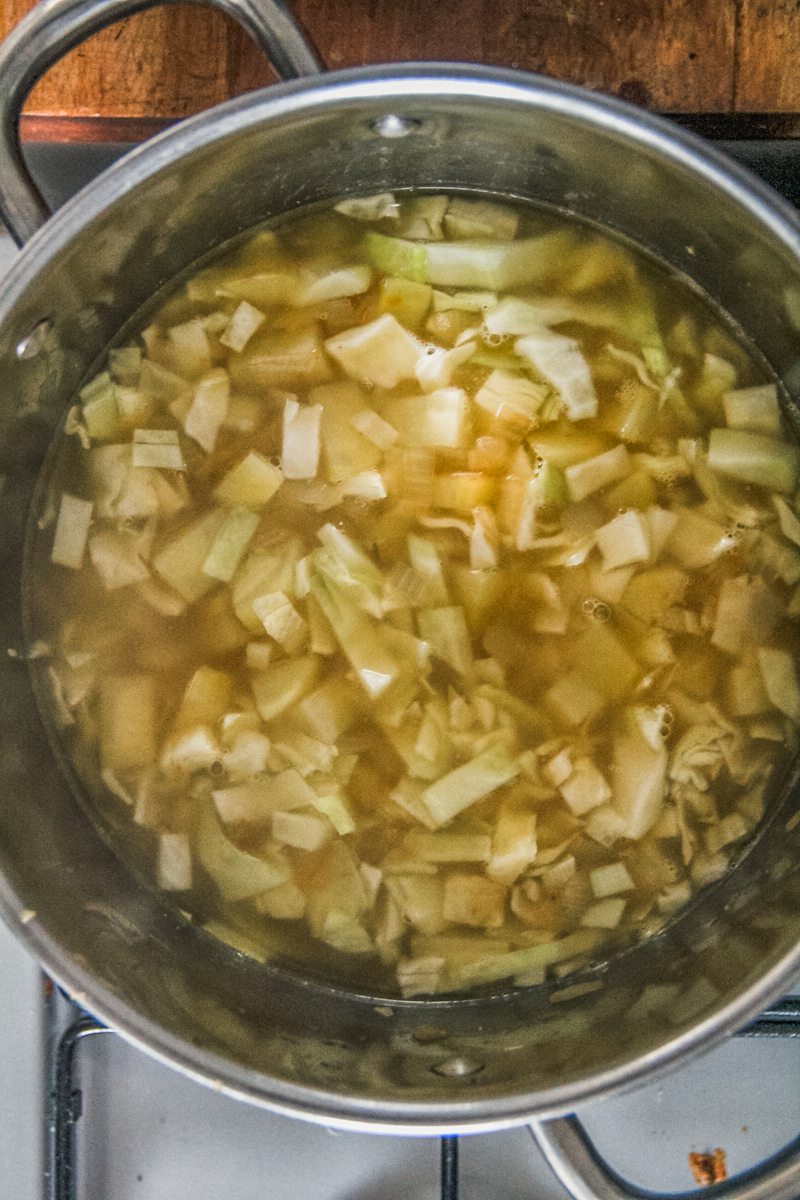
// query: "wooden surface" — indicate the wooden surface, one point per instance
point(719, 56)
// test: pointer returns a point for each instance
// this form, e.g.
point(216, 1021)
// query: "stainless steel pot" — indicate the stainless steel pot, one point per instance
point(256, 1032)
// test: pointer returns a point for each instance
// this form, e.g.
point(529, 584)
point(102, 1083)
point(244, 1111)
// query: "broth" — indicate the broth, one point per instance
point(416, 590)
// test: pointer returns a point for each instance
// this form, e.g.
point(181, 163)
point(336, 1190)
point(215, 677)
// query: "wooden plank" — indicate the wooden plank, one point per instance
point(671, 55)
point(767, 77)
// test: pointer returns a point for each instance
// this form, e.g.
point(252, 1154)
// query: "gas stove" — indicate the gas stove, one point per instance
point(85, 1116)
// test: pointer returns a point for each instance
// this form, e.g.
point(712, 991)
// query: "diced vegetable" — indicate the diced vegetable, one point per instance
point(72, 531)
point(382, 353)
point(469, 783)
point(282, 685)
point(754, 458)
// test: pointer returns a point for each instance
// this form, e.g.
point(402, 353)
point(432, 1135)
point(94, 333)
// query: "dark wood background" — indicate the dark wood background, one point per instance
point(675, 56)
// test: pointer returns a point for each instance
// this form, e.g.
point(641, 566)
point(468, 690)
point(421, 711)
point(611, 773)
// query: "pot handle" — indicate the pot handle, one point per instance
point(54, 27)
point(574, 1160)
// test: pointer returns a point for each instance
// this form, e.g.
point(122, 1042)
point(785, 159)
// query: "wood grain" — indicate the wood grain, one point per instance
point(671, 55)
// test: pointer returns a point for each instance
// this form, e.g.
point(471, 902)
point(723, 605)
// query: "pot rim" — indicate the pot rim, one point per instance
point(393, 86)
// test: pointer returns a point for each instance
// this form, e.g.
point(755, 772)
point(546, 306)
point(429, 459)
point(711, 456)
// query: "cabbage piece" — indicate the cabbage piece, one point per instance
point(344, 562)
point(302, 830)
point(237, 874)
point(754, 458)
point(639, 780)
point(230, 543)
point(208, 409)
point(445, 630)
point(438, 419)
point(243, 323)
point(513, 390)
point(559, 360)
point(755, 409)
point(470, 782)
point(514, 845)
point(747, 612)
point(255, 802)
point(592, 474)
point(282, 685)
point(624, 540)
point(317, 284)
point(381, 353)
point(280, 359)
point(301, 440)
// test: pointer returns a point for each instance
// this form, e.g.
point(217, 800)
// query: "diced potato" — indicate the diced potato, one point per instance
point(180, 561)
point(250, 484)
point(302, 830)
point(127, 722)
point(473, 900)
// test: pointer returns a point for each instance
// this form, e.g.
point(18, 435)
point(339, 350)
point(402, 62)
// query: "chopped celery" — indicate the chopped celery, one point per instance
point(396, 257)
point(237, 874)
point(301, 440)
point(72, 531)
point(446, 632)
point(381, 353)
point(440, 418)
point(229, 545)
point(754, 458)
point(559, 360)
point(755, 409)
point(251, 483)
point(282, 685)
point(467, 784)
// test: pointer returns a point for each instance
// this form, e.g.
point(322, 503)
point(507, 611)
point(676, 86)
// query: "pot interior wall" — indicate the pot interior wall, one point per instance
point(161, 980)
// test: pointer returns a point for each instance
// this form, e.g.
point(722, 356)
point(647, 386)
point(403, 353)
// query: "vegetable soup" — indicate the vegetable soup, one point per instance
point(419, 588)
